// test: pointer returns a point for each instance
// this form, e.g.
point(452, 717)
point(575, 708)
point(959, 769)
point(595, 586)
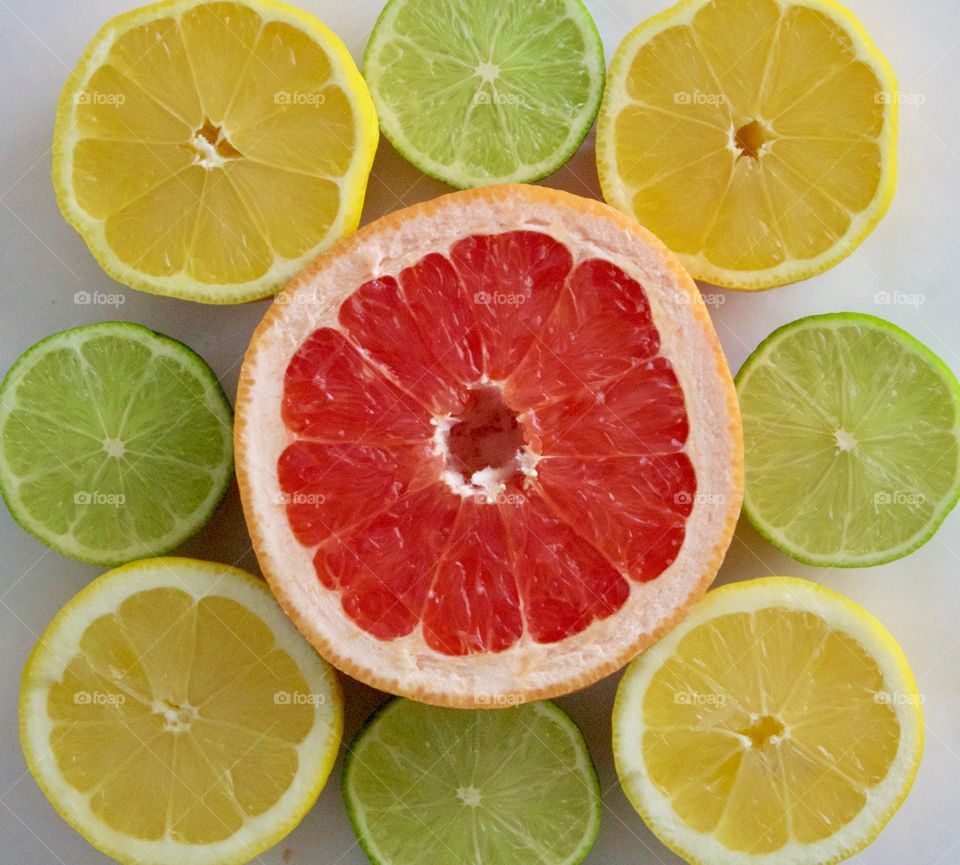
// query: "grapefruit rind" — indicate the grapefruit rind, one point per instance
point(527, 670)
point(59, 643)
point(344, 73)
point(839, 612)
point(615, 99)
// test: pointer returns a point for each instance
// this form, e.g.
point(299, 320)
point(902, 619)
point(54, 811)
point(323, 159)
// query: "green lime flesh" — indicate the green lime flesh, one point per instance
point(115, 442)
point(485, 91)
point(852, 440)
point(425, 785)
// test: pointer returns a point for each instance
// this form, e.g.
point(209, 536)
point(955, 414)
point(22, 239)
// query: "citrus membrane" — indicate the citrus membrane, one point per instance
point(485, 91)
point(516, 785)
point(852, 432)
point(208, 150)
point(115, 442)
point(756, 138)
point(487, 445)
point(779, 723)
point(171, 713)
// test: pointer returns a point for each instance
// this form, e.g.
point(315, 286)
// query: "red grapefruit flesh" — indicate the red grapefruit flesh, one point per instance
point(497, 441)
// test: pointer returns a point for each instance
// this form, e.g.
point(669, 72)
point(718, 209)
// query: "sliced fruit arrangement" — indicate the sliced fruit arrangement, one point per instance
point(115, 442)
point(485, 91)
point(489, 445)
point(208, 150)
point(171, 713)
point(779, 723)
point(852, 432)
point(756, 138)
point(515, 785)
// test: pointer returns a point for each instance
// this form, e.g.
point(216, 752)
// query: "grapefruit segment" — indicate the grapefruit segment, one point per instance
point(513, 280)
point(473, 604)
point(633, 509)
point(377, 318)
point(600, 327)
point(564, 582)
point(639, 413)
point(445, 316)
point(332, 394)
point(383, 568)
point(327, 487)
point(491, 399)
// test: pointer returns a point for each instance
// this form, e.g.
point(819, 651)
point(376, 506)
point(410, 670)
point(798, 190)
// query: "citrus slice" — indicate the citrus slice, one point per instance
point(208, 150)
point(172, 714)
point(852, 433)
point(779, 723)
point(512, 786)
point(485, 91)
point(756, 138)
point(489, 447)
point(115, 442)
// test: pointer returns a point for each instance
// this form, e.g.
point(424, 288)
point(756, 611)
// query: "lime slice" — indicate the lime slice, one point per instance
point(173, 715)
point(485, 91)
point(851, 434)
point(510, 785)
point(115, 442)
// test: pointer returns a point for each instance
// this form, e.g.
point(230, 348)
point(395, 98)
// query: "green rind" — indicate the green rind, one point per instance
point(911, 343)
point(204, 373)
point(352, 806)
point(463, 181)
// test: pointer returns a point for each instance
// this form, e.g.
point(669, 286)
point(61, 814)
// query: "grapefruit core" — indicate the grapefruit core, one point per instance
point(489, 447)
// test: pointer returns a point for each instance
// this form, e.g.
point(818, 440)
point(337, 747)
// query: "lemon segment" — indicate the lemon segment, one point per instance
point(757, 138)
point(779, 723)
point(172, 714)
point(208, 150)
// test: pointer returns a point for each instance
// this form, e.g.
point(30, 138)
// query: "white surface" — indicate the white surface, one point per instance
point(914, 252)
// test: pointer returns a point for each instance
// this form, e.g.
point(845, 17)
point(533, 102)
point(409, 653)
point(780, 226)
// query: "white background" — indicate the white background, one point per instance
point(914, 251)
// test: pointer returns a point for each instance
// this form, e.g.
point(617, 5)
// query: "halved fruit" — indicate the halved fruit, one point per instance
point(208, 150)
point(756, 138)
point(780, 723)
point(172, 714)
point(489, 446)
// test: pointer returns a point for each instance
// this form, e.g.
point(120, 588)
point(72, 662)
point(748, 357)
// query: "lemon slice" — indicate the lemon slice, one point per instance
point(778, 724)
point(172, 714)
point(757, 138)
point(209, 150)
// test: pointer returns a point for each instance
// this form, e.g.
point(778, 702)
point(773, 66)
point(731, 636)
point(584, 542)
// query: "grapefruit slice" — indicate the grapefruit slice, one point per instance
point(489, 448)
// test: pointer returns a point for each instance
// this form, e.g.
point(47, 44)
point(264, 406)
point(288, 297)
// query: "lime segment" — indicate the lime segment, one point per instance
point(484, 91)
point(511, 785)
point(852, 434)
point(115, 442)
